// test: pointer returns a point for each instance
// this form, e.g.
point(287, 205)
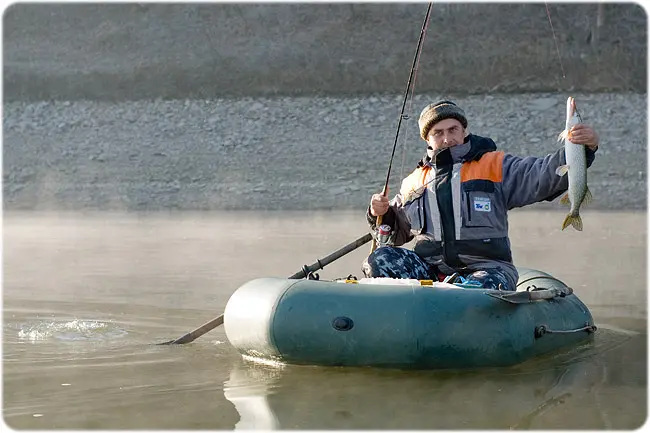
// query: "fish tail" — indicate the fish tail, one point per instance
point(573, 220)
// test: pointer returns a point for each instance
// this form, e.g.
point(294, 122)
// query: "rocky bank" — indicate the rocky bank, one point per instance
point(282, 153)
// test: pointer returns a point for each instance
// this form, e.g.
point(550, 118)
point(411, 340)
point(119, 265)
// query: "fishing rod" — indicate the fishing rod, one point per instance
point(416, 59)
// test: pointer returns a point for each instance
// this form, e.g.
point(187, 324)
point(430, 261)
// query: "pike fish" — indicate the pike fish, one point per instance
point(575, 168)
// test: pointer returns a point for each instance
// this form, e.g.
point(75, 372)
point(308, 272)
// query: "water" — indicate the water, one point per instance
point(86, 296)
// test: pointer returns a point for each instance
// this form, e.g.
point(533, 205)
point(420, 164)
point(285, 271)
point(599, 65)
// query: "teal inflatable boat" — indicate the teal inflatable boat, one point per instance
point(404, 323)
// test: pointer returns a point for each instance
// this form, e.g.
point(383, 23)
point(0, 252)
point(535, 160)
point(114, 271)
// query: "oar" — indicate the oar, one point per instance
point(304, 272)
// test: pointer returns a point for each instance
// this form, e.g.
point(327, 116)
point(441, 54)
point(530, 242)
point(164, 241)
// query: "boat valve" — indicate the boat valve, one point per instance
point(342, 323)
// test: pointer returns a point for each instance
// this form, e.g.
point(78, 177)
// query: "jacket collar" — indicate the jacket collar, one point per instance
point(479, 146)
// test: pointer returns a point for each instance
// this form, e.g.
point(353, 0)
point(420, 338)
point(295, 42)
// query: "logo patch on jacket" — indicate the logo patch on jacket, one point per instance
point(482, 204)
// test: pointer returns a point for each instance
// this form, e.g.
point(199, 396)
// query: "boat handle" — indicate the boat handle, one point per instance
point(543, 329)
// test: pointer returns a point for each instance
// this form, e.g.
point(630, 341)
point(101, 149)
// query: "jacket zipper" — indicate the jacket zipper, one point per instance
point(469, 208)
point(422, 214)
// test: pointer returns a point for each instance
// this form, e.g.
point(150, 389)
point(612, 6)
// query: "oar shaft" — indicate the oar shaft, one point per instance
point(320, 264)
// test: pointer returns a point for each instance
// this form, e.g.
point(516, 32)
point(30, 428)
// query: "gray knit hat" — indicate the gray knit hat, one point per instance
point(434, 113)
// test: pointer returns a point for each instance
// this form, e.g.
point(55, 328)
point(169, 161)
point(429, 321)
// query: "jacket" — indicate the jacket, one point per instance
point(458, 211)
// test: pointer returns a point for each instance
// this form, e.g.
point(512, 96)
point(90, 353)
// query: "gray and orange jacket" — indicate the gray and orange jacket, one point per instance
point(457, 212)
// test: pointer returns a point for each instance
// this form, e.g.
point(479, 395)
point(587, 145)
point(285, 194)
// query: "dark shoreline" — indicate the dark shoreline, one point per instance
point(121, 52)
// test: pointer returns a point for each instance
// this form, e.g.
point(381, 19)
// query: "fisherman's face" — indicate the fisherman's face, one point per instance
point(446, 133)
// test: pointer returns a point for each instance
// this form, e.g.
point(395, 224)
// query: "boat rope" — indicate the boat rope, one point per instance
point(542, 330)
point(416, 60)
point(557, 48)
point(539, 277)
point(528, 296)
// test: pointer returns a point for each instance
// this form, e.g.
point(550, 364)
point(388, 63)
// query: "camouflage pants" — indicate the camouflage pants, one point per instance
point(488, 279)
point(395, 262)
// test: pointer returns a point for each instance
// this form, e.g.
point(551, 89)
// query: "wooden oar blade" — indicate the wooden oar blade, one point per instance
point(191, 336)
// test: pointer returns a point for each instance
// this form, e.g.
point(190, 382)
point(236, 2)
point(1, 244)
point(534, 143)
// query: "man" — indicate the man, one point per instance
point(455, 203)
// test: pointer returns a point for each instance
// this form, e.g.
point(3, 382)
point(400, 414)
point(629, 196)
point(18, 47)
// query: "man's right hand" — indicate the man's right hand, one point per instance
point(378, 205)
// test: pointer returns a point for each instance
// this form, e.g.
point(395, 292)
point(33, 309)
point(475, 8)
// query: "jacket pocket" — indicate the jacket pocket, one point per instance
point(478, 203)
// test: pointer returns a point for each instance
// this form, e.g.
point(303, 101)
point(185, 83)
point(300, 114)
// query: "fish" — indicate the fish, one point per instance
point(576, 168)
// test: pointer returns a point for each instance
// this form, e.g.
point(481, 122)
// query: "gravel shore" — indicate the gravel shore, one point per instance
point(284, 153)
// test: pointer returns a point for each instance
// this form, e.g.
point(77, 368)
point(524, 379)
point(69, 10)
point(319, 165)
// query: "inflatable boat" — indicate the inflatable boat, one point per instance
point(404, 323)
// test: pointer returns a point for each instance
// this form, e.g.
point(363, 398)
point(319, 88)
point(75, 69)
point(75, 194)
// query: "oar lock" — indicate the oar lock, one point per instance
point(311, 275)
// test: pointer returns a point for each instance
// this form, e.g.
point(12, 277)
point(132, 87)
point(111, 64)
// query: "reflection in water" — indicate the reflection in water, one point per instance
point(248, 389)
point(583, 376)
point(569, 385)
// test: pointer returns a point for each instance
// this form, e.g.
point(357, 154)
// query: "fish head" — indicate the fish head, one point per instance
point(572, 115)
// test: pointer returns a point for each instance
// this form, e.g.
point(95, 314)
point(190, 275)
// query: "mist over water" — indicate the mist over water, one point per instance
point(86, 296)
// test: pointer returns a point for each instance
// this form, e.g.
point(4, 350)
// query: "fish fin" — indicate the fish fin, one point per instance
point(588, 197)
point(564, 135)
point(562, 170)
point(573, 220)
point(565, 199)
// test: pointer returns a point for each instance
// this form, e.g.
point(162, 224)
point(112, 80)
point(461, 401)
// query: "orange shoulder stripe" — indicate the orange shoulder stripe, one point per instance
point(489, 167)
point(414, 180)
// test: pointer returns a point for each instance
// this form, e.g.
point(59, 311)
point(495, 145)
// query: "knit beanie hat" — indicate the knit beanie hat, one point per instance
point(434, 113)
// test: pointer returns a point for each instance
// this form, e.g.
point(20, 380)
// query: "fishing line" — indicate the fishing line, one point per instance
point(557, 48)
